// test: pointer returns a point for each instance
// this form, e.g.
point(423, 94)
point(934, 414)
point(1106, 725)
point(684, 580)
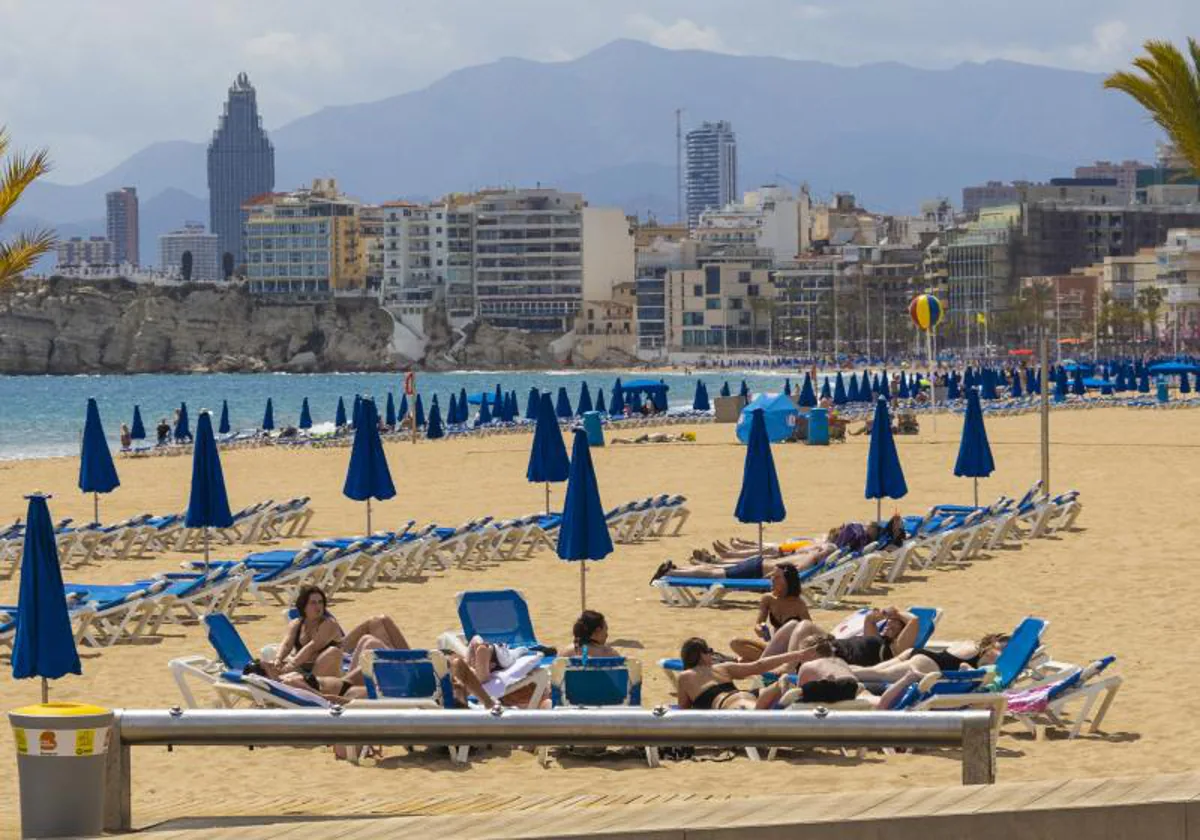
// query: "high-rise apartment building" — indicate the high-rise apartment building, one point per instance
point(241, 165)
point(192, 239)
point(122, 224)
point(306, 242)
point(711, 168)
point(1124, 173)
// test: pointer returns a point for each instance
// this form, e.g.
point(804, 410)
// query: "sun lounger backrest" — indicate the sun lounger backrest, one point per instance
point(499, 616)
point(227, 642)
point(928, 618)
point(407, 674)
point(604, 681)
point(1020, 649)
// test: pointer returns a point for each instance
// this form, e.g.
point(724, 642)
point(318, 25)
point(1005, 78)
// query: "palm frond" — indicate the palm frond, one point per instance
point(18, 256)
point(19, 172)
point(1168, 87)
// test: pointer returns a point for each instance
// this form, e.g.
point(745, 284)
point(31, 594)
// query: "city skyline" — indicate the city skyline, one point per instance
point(310, 62)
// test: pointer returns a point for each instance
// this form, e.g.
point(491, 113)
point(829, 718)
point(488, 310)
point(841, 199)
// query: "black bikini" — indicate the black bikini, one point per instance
point(829, 691)
point(705, 699)
point(947, 661)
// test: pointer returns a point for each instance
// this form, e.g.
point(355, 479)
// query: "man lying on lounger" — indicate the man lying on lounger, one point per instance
point(823, 677)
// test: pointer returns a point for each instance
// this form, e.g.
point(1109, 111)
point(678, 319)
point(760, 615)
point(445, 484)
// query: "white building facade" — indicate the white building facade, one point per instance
point(192, 237)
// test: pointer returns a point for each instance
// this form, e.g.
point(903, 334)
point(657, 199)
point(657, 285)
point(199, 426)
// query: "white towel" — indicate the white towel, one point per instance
point(499, 682)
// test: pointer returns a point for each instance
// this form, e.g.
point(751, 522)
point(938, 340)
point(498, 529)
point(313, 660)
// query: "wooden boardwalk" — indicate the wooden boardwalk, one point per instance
point(1142, 806)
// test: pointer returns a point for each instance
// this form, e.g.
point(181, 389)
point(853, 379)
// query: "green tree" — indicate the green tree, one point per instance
point(1150, 301)
point(17, 172)
point(1168, 87)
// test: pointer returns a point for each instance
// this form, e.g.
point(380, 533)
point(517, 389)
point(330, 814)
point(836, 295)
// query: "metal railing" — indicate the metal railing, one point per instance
point(970, 731)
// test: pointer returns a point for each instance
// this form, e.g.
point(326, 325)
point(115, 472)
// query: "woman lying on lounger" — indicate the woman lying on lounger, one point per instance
point(481, 664)
point(878, 637)
point(921, 661)
point(313, 651)
point(706, 684)
point(782, 606)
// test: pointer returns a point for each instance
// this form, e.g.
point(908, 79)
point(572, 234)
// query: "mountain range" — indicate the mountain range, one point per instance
point(604, 124)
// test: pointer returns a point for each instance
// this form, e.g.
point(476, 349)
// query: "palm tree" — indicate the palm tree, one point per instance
point(1150, 299)
point(1170, 91)
point(17, 173)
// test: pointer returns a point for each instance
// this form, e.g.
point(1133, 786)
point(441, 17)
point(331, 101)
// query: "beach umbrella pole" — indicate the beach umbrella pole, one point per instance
point(368, 517)
point(206, 549)
point(96, 508)
point(976, 491)
point(45, 690)
point(583, 584)
point(879, 509)
point(547, 498)
point(760, 541)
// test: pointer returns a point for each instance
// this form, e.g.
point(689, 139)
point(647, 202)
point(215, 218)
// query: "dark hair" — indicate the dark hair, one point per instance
point(822, 646)
point(692, 650)
point(791, 577)
point(303, 596)
point(586, 625)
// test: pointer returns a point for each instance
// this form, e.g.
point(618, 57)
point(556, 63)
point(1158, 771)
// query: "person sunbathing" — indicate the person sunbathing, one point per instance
point(479, 667)
point(590, 635)
point(782, 606)
point(921, 661)
point(708, 684)
point(824, 677)
point(313, 651)
point(863, 639)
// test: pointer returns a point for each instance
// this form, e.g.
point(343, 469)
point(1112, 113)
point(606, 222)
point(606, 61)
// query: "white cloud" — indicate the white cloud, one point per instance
point(680, 34)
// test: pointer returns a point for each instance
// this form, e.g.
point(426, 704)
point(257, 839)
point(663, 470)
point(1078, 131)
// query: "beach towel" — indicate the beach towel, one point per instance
point(499, 682)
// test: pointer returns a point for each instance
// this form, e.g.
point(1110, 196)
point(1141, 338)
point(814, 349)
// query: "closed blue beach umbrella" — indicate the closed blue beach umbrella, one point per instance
point(452, 411)
point(583, 534)
point(601, 405)
point(839, 390)
point(368, 476)
point(223, 427)
point(97, 474)
point(136, 430)
point(1060, 385)
point(659, 395)
point(585, 400)
point(339, 417)
point(418, 411)
point(808, 397)
point(745, 392)
point(485, 413)
point(853, 394)
point(725, 392)
point(532, 401)
point(1185, 383)
point(1014, 390)
point(760, 500)
point(787, 386)
point(826, 391)
point(563, 407)
point(885, 476)
point(183, 429)
point(974, 453)
point(403, 412)
point(208, 503)
point(356, 411)
point(1144, 381)
point(44, 645)
point(434, 430)
point(700, 400)
point(268, 423)
point(1077, 386)
point(902, 388)
point(389, 412)
point(548, 455)
point(497, 401)
point(952, 390)
point(305, 415)
point(864, 390)
point(1031, 383)
point(616, 403)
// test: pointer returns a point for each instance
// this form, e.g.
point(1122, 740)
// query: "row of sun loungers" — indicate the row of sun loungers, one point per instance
point(947, 535)
point(146, 534)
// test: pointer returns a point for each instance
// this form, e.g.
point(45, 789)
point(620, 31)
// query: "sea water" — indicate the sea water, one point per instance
point(42, 416)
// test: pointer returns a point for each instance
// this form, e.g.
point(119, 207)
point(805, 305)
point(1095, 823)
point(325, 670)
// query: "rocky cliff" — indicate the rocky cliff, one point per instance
point(113, 326)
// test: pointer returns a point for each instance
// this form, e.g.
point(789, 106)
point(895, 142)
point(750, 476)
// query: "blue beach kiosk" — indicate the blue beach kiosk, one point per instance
point(779, 415)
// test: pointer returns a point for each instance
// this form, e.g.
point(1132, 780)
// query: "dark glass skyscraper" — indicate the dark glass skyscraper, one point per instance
point(241, 165)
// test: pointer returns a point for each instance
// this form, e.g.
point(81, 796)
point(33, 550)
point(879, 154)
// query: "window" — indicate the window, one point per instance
point(697, 290)
point(735, 303)
point(752, 291)
point(693, 319)
point(712, 303)
point(712, 279)
point(743, 276)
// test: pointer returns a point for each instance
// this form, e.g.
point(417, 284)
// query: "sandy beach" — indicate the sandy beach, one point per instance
point(1114, 587)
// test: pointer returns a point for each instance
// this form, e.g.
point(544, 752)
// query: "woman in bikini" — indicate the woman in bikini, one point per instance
point(956, 656)
point(590, 635)
point(783, 605)
point(313, 651)
point(706, 684)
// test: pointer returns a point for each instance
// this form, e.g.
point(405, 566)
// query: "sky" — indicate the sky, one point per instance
point(97, 80)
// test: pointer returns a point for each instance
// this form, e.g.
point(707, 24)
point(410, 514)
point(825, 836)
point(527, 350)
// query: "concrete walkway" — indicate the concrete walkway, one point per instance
point(1162, 807)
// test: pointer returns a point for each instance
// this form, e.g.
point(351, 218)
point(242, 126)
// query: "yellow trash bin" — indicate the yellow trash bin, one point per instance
point(61, 751)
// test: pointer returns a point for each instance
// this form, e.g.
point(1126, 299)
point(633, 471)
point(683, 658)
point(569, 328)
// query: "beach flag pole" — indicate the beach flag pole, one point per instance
point(1045, 412)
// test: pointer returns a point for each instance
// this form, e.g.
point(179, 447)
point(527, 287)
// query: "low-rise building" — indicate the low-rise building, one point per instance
point(80, 253)
point(606, 326)
point(192, 239)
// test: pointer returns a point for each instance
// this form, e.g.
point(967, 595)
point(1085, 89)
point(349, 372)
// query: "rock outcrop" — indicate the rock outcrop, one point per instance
point(113, 326)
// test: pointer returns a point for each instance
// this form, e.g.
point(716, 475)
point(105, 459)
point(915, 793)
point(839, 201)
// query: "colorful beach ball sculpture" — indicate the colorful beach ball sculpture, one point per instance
point(926, 312)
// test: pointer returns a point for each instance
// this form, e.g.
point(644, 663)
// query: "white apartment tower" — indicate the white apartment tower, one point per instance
point(711, 168)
